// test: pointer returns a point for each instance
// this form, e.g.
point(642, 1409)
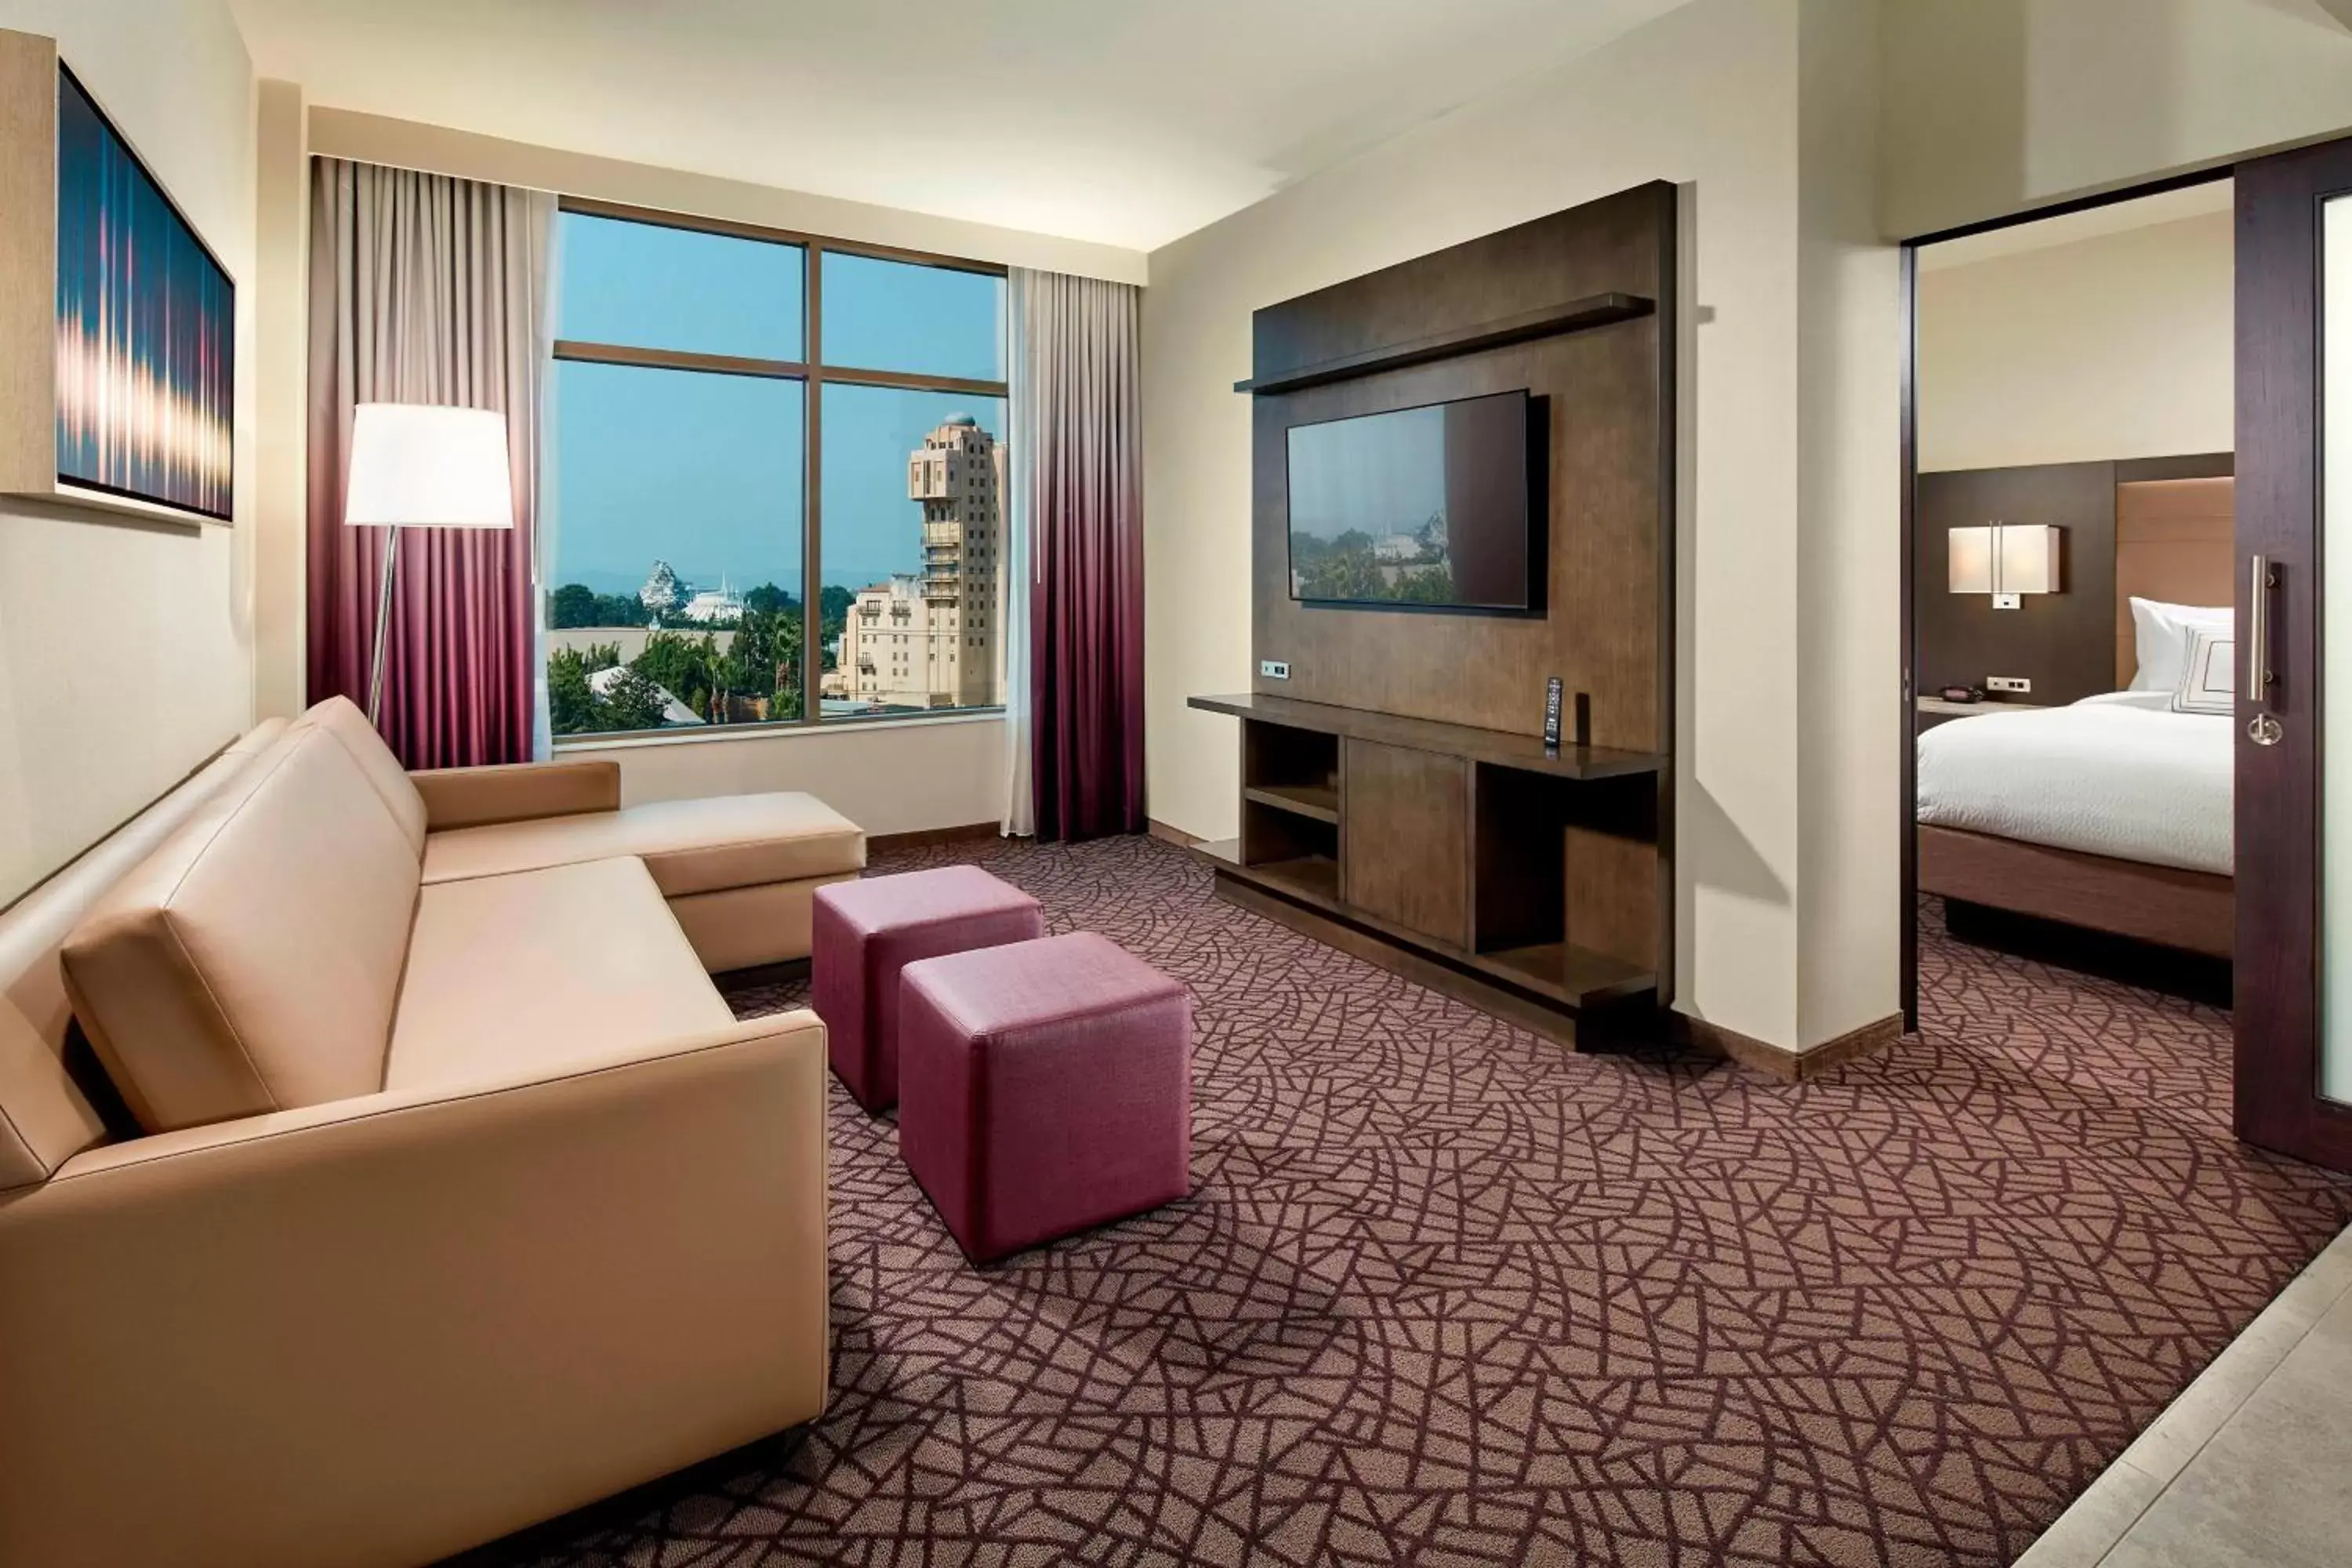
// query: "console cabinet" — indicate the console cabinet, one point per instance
point(1455, 849)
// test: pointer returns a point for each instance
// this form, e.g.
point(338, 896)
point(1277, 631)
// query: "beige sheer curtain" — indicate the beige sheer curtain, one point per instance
point(426, 289)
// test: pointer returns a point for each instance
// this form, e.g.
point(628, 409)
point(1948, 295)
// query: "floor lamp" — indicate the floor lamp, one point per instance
point(417, 465)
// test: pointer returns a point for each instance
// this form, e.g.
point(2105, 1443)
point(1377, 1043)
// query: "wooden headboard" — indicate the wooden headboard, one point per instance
point(2175, 541)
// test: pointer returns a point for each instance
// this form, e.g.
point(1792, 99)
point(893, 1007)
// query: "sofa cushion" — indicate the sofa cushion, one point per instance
point(516, 975)
point(340, 717)
point(689, 846)
point(251, 963)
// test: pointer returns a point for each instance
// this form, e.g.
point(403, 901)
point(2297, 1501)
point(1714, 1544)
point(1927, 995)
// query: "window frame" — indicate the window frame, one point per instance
point(813, 373)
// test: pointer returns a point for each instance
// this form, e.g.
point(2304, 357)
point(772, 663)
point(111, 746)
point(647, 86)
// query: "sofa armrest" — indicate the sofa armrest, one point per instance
point(407, 1322)
point(516, 792)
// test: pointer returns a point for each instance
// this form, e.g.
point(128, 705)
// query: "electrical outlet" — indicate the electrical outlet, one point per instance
point(2016, 684)
point(1274, 668)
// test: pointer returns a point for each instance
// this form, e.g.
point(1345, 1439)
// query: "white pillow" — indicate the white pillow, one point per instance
point(2160, 632)
point(2209, 676)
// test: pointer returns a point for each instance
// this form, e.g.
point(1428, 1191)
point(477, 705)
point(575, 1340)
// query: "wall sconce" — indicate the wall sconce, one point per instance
point(2006, 560)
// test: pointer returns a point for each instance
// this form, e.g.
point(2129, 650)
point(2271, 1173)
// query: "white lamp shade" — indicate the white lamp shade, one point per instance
point(2029, 558)
point(2005, 558)
point(417, 464)
point(1969, 560)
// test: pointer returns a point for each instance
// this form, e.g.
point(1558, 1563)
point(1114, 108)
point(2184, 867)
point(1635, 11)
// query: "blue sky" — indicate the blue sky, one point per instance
point(705, 471)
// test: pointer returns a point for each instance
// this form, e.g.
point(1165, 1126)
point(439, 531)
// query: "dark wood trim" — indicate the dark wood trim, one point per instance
point(907, 382)
point(2191, 465)
point(679, 359)
point(813, 500)
point(1790, 1067)
point(1495, 747)
point(2192, 911)
point(1669, 199)
point(736, 228)
point(2208, 176)
point(1906, 913)
point(1171, 835)
point(1573, 316)
point(928, 837)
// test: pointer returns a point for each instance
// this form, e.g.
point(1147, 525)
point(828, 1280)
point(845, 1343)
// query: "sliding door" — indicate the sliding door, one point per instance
point(2293, 772)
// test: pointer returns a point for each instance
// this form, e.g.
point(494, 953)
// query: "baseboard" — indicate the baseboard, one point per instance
point(1791, 1066)
point(925, 837)
point(1176, 835)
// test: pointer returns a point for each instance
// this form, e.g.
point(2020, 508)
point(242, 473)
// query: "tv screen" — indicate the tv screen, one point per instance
point(146, 328)
point(1430, 507)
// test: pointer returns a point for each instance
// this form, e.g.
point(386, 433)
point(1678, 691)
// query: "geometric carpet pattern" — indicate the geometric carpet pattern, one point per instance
point(1446, 1294)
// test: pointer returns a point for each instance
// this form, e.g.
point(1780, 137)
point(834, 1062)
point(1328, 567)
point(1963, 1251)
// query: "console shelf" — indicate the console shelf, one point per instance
point(1314, 800)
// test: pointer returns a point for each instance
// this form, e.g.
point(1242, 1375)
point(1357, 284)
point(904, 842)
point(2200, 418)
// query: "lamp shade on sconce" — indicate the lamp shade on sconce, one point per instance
point(420, 466)
point(2005, 559)
point(2026, 558)
point(1969, 563)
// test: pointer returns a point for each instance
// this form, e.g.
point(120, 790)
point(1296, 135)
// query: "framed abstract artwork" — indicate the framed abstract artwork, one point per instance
point(118, 324)
point(146, 327)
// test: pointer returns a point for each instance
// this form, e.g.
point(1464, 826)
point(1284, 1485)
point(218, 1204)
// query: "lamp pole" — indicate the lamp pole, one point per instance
point(383, 622)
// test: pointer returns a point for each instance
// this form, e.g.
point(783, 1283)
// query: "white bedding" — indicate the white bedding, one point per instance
point(2118, 775)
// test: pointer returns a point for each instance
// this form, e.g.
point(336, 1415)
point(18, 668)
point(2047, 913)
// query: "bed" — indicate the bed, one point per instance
point(2115, 813)
point(2112, 813)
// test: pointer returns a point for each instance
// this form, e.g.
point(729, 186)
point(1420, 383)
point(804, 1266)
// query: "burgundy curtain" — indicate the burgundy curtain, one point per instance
point(427, 290)
point(1079, 428)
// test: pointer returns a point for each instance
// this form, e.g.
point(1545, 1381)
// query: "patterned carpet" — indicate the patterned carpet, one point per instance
point(1447, 1294)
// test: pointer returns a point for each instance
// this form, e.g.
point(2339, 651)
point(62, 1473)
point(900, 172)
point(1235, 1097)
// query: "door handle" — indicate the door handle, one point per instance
point(2263, 729)
point(2260, 578)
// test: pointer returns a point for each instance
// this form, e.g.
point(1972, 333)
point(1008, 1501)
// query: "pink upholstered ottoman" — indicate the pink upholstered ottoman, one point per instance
point(864, 932)
point(1046, 1087)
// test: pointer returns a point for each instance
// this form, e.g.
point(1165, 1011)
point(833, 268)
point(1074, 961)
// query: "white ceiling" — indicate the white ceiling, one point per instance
point(1124, 121)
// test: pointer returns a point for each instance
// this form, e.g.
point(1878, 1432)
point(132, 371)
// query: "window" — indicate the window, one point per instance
point(684, 517)
point(914, 508)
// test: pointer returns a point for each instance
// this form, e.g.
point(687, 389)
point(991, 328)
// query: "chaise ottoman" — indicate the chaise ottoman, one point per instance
point(1046, 1087)
point(864, 932)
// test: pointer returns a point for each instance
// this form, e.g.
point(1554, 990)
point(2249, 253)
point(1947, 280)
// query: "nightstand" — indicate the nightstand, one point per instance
point(1935, 711)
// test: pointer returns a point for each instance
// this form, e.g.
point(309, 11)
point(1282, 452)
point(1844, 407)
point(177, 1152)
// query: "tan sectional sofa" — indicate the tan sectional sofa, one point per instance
point(458, 1198)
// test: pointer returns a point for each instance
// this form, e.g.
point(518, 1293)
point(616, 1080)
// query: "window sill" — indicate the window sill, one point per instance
point(721, 733)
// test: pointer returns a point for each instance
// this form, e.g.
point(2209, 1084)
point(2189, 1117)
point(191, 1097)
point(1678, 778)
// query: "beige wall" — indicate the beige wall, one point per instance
point(886, 777)
point(282, 334)
point(1993, 106)
point(124, 651)
point(1706, 96)
point(1847, 695)
point(2117, 346)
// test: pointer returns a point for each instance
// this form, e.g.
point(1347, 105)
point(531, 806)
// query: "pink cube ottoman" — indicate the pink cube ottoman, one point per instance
point(1047, 1088)
point(864, 932)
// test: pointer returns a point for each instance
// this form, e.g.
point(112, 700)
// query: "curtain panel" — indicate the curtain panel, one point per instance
point(426, 289)
point(1077, 420)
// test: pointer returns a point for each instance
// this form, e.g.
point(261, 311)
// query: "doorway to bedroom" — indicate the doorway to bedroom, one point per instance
point(2071, 587)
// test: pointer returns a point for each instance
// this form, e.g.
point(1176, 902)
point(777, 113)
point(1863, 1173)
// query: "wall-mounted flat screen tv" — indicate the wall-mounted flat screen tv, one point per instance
point(146, 328)
point(1433, 508)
